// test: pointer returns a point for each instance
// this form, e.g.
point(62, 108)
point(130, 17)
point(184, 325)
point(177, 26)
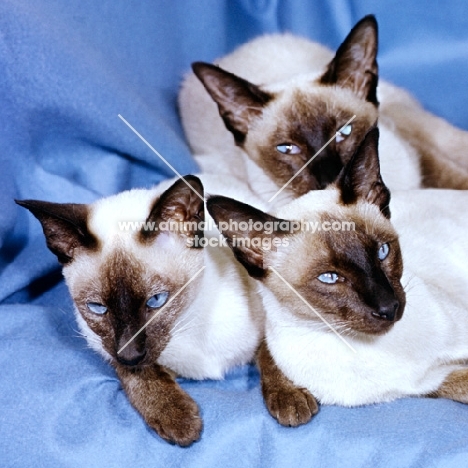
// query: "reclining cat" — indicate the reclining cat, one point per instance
point(149, 298)
point(294, 114)
point(340, 326)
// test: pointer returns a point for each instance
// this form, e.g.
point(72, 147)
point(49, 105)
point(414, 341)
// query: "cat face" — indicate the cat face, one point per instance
point(282, 128)
point(120, 278)
point(350, 277)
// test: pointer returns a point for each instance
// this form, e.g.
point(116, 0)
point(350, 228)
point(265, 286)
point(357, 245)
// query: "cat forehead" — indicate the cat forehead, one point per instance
point(120, 216)
point(328, 200)
point(332, 221)
point(132, 266)
point(305, 97)
point(310, 204)
point(337, 237)
point(117, 221)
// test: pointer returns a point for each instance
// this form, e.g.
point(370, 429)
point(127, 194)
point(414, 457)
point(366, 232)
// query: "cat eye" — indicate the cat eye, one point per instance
point(383, 251)
point(96, 308)
point(328, 278)
point(288, 148)
point(158, 300)
point(343, 132)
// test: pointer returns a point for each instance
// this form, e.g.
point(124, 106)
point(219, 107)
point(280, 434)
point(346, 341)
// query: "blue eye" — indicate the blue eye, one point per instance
point(96, 308)
point(346, 130)
point(158, 300)
point(342, 133)
point(383, 251)
point(288, 148)
point(328, 278)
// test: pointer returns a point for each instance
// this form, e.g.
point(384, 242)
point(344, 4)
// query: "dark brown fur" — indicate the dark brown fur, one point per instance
point(442, 147)
point(222, 208)
point(371, 188)
point(309, 122)
point(181, 203)
point(355, 67)
point(308, 119)
point(358, 302)
point(124, 286)
point(366, 282)
point(455, 387)
point(150, 388)
point(249, 98)
point(65, 227)
point(162, 403)
point(289, 405)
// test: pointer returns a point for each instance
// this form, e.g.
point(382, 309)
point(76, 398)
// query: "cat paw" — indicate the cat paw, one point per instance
point(454, 387)
point(179, 421)
point(292, 406)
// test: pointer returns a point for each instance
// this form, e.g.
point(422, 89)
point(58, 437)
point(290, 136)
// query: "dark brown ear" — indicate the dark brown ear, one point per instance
point(179, 209)
point(65, 226)
point(360, 179)
point(239, 101)
point(355, 63)
point(248, 231)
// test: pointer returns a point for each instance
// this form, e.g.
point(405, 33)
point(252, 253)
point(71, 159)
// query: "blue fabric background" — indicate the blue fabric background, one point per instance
point(67, 69)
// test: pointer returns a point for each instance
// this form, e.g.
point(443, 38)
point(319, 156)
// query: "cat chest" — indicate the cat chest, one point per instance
point(344, 371)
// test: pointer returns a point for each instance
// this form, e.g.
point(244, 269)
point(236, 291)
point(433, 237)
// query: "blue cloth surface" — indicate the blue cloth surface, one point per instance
point(67, 70)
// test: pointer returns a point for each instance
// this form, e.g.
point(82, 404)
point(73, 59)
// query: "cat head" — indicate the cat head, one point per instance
point(335, 248)
point(123, 262)
point(282, 127)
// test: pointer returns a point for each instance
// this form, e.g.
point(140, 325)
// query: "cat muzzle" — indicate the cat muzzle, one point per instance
point(132, 353)
point(130, 358)
point(387, 310)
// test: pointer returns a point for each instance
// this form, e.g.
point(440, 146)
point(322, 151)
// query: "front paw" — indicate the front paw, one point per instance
point(291, 406)
point(163, 404)
point(288, 404)
point(178, 421)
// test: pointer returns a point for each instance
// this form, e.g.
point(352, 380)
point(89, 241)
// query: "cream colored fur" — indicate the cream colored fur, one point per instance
point(424, 347)
point(280, 62)
point(223, 322)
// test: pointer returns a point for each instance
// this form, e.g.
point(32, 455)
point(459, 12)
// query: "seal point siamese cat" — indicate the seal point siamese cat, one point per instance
point(387, 343)
point(119, 278)
point(283, 98)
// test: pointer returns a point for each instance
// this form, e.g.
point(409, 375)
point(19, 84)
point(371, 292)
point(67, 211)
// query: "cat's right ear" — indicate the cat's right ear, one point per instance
point(360, 179)
point(249, 232)
point(182, 204)
point(355, 63)
point(239, 101)
point(65, 226)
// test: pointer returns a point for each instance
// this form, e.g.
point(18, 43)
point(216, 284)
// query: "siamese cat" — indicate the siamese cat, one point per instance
point(346, 324)
point(282, 110)
point(150, 299)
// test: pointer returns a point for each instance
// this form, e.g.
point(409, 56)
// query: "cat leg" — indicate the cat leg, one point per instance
point(442, 147)
point(454, 387)
point(163, 404)
point(288, 404)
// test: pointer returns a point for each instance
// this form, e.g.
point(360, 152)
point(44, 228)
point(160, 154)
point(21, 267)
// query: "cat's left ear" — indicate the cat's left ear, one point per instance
point(250, 233)
point(355, 63)
point(182, 204)
point(360, 179)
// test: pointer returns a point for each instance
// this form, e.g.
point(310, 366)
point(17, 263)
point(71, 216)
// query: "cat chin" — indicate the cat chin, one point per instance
point(94, 341)
point(369, 330)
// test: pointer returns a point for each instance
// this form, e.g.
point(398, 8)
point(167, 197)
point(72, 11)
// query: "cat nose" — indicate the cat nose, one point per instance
point(387, 310)
point(131, 356)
